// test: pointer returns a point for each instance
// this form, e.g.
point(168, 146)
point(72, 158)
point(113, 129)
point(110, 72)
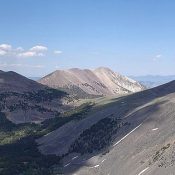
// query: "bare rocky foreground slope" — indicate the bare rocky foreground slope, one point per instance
point(130, 135)
point(24, 100)
point(91, 83)
point(127, 135)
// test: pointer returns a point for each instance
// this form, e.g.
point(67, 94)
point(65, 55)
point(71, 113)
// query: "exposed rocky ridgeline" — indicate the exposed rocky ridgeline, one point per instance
point(91, 83)
point(24, 100)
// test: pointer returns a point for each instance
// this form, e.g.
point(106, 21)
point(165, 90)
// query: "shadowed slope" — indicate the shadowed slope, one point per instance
point(24, 100)
point(129, 139)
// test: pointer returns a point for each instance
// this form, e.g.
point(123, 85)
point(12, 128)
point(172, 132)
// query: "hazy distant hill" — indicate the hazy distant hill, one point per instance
point(34, 78)
point(153, 80)
point(88, 83)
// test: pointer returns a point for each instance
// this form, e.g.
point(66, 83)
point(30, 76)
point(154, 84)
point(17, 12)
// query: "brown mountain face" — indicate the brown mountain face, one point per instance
point(88, 83)
point(24, 100)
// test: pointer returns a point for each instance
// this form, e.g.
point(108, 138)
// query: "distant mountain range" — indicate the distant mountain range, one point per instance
point(153, 80)
point(34, 78)
point(91, 83)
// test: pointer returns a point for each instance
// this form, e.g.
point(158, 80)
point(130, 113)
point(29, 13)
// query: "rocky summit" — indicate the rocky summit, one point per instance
point(91, 83)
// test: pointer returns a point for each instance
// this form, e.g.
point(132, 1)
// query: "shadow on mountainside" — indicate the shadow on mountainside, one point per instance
point(123, 115)
point(99, 138)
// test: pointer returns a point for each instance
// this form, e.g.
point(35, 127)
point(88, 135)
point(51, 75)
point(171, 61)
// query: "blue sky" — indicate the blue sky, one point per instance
point(133, 37)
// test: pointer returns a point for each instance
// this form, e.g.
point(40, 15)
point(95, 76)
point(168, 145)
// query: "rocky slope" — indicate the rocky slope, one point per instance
point(91, 83)
point(24, 100)
point(133, 135)
point(116, 83)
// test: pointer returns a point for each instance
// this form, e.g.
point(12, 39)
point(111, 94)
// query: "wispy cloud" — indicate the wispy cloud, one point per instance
point(39, 48)
point(5, 65)
point(2, 52)
point(19, 52)
point(57, 52)
point(35, 51)
point(19, 49)
point(5, 47)
point(157, 57)
point(27, 54)
point(30, 54)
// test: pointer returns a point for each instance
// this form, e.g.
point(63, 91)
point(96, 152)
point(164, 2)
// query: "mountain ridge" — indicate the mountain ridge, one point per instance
point(99, 82)
point(24, 100)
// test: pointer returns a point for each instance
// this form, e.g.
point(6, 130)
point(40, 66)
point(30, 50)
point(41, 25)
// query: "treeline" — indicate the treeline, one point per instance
point(97, 137)
point(18, 150)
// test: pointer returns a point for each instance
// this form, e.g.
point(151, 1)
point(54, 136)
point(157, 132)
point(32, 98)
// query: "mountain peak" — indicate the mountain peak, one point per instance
point(99, 82)
point(103, 69)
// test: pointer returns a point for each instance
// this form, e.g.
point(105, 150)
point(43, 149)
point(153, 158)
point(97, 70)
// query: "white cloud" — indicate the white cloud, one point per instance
point(40, 54)
point(5, 65)
point(157, 57)
point(30, 54)
point(7, 50)
point(57, 52)
point(39, 48)
point(2, 52)
point(20, 49)
point(35, 51)
point(27, 54)
point(5, 47)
